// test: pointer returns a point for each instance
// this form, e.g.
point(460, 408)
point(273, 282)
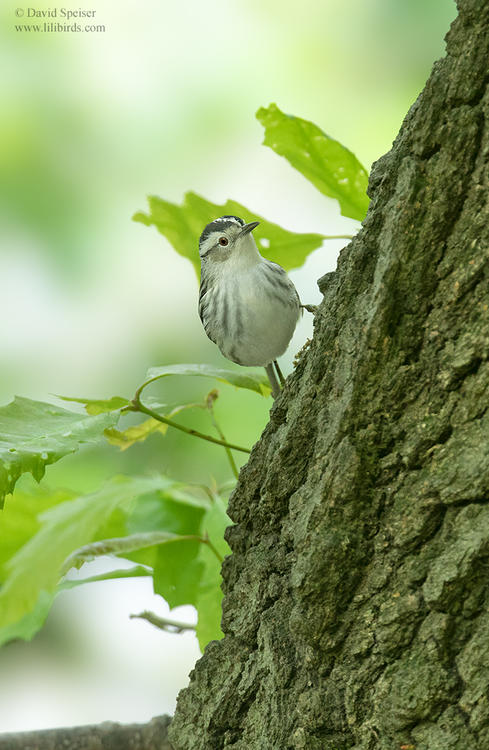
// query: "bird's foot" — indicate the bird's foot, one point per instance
point(310, 308)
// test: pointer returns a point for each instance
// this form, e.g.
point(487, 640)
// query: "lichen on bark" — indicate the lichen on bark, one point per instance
point(356, 598)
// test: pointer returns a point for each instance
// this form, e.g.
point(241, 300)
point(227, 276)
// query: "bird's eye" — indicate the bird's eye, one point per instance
point(223, 241)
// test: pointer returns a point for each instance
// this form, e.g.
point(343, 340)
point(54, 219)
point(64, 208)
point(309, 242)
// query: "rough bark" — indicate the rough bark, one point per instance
point(106, 736)
point(356, 598)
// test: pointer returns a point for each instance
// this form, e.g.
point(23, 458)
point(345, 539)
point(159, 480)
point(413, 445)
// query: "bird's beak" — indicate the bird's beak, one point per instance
point(248, 228)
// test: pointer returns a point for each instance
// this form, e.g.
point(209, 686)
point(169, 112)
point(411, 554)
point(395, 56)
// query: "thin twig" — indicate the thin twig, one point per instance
point(137, 405)
point(338, 236)
point(205, 539)
point(206, 490)
point(210, 406)
point(226, 486)
point(170, 626)
point(137, 572)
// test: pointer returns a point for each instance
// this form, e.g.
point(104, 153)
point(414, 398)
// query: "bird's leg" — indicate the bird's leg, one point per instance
point(279, 373)
point(310, 308)
point(273, 380)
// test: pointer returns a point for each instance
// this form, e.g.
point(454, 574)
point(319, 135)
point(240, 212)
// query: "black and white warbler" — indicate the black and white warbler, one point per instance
point(248, 305)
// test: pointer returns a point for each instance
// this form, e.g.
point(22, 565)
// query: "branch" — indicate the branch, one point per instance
point(169, 626)
point(106, 736)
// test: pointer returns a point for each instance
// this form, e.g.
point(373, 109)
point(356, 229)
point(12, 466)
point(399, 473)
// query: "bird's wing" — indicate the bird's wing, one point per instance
point(203, 290)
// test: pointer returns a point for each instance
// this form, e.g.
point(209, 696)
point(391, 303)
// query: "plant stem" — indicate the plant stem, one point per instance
point(232, 463)
point(136, 572)
point(136, 405)
point(170, 626)
point(205, 540)
point(338, 236)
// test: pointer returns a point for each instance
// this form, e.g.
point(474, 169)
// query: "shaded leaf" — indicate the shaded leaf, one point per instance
point(253, 381)
point(332, 168)
point(34, 434)
point(179, 513)
point(177, 572)
point(183, 225)
point(209, 597)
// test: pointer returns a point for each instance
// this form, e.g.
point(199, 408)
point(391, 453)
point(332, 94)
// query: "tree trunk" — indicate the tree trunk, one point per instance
point(355, 610)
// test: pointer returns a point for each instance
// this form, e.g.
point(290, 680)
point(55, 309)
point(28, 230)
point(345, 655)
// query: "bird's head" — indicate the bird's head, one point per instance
point(226, 237)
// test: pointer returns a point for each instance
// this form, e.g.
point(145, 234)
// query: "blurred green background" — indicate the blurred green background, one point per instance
point(161, 101)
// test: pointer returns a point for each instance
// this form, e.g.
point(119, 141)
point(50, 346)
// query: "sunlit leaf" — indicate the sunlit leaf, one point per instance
point(29, 624)
point(97, 405)
point(34, 434)
point(36, 567)
point(332, 168)
point(183, 225)
point(19, 520)
point(253, 381)
point(123, 439)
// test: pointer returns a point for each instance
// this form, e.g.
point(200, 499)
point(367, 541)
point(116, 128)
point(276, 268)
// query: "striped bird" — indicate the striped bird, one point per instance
point(248, 305)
